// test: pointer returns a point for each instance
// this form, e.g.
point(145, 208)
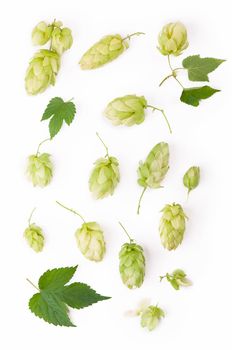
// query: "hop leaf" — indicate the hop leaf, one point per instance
point(54, 295)
point(59, 111)
point(193, 96)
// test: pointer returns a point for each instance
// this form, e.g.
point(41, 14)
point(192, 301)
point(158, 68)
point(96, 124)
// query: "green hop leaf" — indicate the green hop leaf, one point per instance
point(58, 111)
point(193, 96)
point(51, 302)
point(198, 68)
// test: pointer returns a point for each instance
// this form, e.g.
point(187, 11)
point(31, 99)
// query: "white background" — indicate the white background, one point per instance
point(196, 317)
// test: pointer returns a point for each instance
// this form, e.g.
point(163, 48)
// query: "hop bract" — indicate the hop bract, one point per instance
point(173, 39)
point(41, 33)
point(191, 178)
point(104, 51)
point(42, 71)
point(35, 238)
point(153, 170)
point(127, 110)
point(132, 265)
point(61, 40)
point(180, 278)
point(104, 177)
point(172, 226)
point(90, 241)
point(151, 316)
point(40, 169)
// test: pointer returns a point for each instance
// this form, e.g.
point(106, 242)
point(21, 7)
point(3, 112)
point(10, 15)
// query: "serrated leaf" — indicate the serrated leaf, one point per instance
point(59, 111)
point(199, 68)
point(50, 309)
point(193, 96)
point(56, 278)
point(80, 295)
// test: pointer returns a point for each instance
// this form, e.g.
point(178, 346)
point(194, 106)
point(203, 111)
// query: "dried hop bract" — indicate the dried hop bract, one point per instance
point(173, 39)
point(151, 316)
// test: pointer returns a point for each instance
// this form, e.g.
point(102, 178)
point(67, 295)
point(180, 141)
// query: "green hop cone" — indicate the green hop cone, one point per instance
point(177, 279)
point(35, 238)
point(105, 175)
point(173, 39)
point(105, 50)
point(191, 178)
point(41, 33)
point(90, 241)
point(172, 226)
point(131, 264)
point(42, 71)
point(153, 170)
point(40, 169)
point(61, 40)
point(151, 316)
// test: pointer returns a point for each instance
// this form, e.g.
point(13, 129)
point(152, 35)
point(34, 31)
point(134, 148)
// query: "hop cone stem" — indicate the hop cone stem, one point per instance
point(72, 210)
point(131, 240)
point(164, 115)
point(40, 144)
point(29, 219)
point(140, 199)
point(133, 34)
point(106, 148)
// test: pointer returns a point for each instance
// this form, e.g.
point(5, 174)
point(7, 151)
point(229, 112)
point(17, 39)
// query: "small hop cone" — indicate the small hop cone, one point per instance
point(104, 177)
point(191, 178)
point(153, 170)
point(41, 33)
point(42, 71)
point(132, 265)
point(173, 39)
point(35, 238)
point(172, 226)
point(105, 50)
point(61, 40)
point(177, 279)
point(90, 241)
point(40, 169)
point(127, 110)
point(151, 316)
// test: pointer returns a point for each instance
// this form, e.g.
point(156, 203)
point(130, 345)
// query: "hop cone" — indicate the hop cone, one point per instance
point(34, 237)
point(155, 167)
point(104, 51)
point(104, 177)
point(150, 317)
point(132, 265)
point(41, 33)
point(61, 40)
point(172, 226)
point(127, 110)
point(177, 279)
point(39, 169)
point(42, 71)
point(191, 178)
point(173, 39)
point(90, 241)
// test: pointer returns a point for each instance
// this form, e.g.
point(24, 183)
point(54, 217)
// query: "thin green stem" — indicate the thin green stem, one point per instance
point(40, 144)
point(106, 148)
point(178, 82)
point(173, 74)
point(169, 63)
point(140, 199)
point(166, 78)
point(72, 210)
point(29, 219)
point(32, 284)
point(164, 115)
point(131, 240)
point(133, 34)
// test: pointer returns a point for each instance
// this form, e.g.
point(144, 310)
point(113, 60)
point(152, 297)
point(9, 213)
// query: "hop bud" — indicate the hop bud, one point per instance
point(127, 110)
point(42, 71)
point(153, 170)
point(41, 33)
point(39, 169)
point(172, 226)
point(34, 237)
point(173, 39)
point(132, 265)
point(191, 178)
point(61, 40)
point(105, 50)
point(90, 241)
point(177, 279)
point(150, 317)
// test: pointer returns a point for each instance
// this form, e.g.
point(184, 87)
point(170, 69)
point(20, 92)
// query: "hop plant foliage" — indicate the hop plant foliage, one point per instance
point(34, 236)
point(105, 50)
point(172, 226)
point(131, 264)
point(151, 316)
point(105, 176)
point(191, 178)
point(177, 279)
